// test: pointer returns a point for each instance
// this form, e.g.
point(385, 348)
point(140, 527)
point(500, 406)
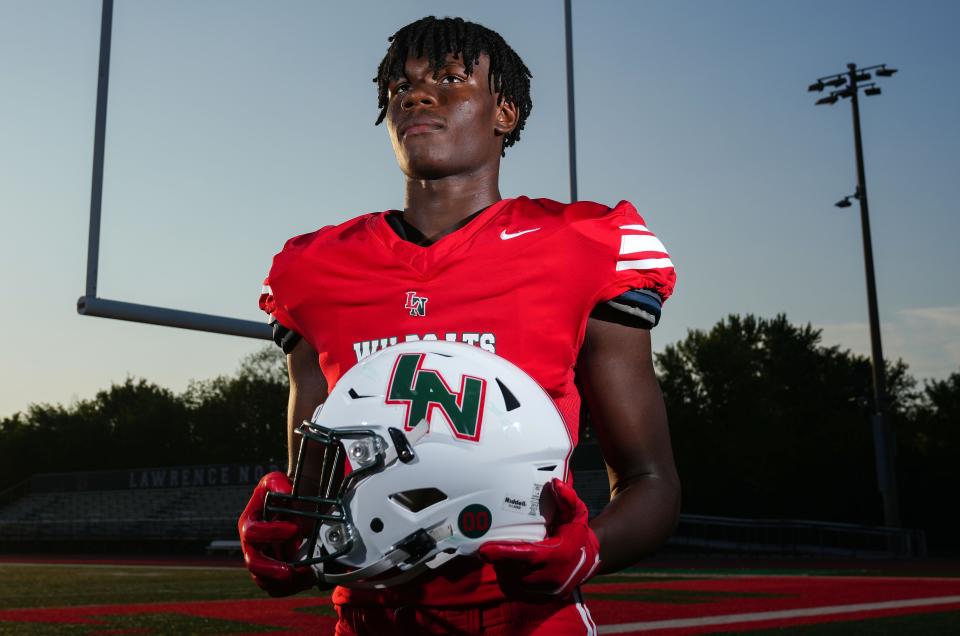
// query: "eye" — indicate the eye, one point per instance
point(402, 87)
point(457, 79)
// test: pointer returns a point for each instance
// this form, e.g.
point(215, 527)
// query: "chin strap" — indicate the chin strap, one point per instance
point(414, 552)
point(402, 443)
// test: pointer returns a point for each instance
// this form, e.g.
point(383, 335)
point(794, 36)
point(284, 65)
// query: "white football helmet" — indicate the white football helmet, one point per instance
point(429, 449)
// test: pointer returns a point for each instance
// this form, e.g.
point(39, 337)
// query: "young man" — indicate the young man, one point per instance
point(559, 290)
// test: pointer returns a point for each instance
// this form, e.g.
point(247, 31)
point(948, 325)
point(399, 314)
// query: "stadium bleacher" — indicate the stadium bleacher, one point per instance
point(192, 514)
point(66, 509)
point(196, 508)
point(185, 506)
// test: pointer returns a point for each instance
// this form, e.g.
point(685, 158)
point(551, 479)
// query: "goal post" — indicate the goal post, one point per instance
point(90, 304)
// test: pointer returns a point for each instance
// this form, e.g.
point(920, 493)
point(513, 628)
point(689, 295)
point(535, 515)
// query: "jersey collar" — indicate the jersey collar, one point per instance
point(407, 232)
point(424, 257)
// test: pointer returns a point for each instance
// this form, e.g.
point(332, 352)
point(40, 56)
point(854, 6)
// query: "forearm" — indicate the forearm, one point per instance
point(638, 520)
point(298, 410)
point(630, 422)
point(308, 389)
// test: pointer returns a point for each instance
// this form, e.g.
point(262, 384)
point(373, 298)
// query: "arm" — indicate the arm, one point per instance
point(616, 373)
point(268, 545)
point(615, 370)
point(308, 389)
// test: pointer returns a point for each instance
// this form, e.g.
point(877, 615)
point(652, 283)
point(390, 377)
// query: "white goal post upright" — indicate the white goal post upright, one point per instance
point(92, 305)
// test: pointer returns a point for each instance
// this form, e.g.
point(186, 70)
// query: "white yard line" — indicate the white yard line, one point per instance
point(727, 619)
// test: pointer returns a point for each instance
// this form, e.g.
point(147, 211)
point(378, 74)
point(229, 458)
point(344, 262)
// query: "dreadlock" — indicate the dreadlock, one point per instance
point(509, 77)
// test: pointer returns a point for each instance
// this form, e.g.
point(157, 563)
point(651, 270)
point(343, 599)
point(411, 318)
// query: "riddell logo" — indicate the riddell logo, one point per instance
point(416, 305)
point(514, 503)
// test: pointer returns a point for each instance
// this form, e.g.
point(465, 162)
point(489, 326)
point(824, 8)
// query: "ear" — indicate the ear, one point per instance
point(506, 119)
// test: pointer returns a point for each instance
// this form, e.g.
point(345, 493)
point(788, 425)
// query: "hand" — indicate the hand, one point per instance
point(279, 539)
point(567, 558)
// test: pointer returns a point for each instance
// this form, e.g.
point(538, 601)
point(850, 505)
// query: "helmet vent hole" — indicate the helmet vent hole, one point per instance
point(509, 399)
point(376, 524)
point(418, 499)
point(548, 468)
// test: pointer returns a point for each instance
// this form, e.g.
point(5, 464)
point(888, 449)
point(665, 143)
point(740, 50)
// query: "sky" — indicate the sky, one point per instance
point(233, 125)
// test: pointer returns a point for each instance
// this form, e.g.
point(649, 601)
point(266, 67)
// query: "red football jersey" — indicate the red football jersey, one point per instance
point(519, 280)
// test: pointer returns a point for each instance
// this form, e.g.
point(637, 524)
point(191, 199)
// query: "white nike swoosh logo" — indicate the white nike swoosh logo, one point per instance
point(506, 236)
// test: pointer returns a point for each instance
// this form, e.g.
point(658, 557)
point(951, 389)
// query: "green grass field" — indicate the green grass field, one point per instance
point(43, 585)
point(64, 585)
point(100, 599)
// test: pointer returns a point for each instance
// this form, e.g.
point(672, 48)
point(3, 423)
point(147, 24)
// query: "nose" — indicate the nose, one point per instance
point(418, 95)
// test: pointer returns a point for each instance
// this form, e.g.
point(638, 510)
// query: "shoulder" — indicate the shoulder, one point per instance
point(588, 220)
point(330, 234)
point(322, 243)
point(577, 212)
point(628, 260)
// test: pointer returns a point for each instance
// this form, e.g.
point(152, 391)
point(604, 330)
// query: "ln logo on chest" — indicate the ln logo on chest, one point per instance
point(416, 305)
point(423, 390)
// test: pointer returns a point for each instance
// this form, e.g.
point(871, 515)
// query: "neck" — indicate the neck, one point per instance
point(436, 206)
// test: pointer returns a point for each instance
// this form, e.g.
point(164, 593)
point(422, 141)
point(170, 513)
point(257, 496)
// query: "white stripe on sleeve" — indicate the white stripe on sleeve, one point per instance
point(646, 263)
point(632, 243)
point(641, 228)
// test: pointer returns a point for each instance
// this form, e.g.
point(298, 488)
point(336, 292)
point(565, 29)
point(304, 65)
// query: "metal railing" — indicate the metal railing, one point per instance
point(795, 538)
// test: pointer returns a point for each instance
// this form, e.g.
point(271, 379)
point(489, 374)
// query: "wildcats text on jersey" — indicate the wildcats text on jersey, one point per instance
point(486, 341)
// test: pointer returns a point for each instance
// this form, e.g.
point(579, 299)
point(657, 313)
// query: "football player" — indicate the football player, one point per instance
point(568, 292)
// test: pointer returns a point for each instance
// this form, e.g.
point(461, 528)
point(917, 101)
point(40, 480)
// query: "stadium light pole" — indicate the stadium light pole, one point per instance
point(571, 118)
point(847, 86)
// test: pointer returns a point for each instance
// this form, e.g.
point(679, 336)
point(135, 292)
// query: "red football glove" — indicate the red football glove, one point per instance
point(557, 565)
point(267, 544)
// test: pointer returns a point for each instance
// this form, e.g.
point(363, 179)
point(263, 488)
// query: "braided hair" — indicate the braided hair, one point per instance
point(509, 77)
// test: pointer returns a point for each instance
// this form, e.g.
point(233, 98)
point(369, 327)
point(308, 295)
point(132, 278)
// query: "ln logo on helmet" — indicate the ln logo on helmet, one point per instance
point(422, 390)
point(474, 521)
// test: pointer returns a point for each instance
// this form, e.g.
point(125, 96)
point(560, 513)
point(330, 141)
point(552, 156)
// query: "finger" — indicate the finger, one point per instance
point(254, 507)
point(513, 552)
point(277, 589)
point(567, 501)
point(300, 579)
point(268, 531)
point(276, 482)
point(269, 570)
point(271, 573)
point(273, 588)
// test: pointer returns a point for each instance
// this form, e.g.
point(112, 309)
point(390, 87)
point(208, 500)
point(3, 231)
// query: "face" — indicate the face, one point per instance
point(448, 125)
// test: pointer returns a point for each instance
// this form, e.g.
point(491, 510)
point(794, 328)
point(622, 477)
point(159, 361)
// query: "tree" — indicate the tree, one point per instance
point(767, 422)
point(929, 445)
point(242, 417)
point(131, 424)
point(138, 424)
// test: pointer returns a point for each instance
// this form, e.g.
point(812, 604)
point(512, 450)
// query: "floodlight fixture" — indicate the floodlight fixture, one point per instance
point(863, 77)
point(830, 99)
point(886, 72)
point(819, 86)
point(838, 81)
point(843, 203)
point(873, 90)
